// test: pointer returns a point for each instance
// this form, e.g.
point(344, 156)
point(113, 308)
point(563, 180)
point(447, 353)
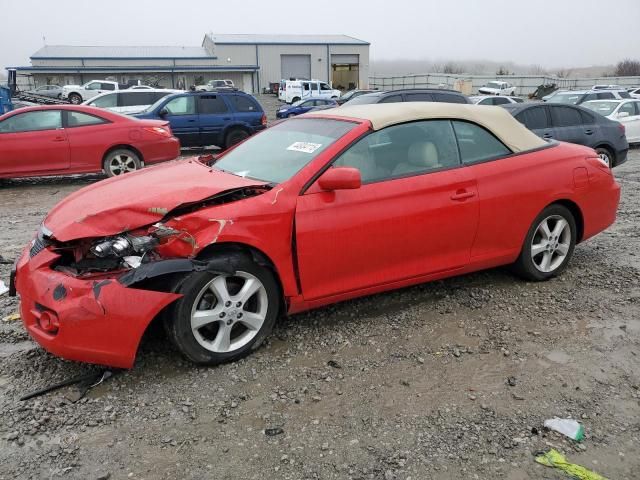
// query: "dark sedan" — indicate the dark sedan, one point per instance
point(351, 94)
point(303, 106)
point(411, 95)
point(575, 124)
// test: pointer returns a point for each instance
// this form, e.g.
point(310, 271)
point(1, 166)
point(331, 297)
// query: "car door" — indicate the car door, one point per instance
point(92, 89)
point(537, 120)
point(631, 120)
point(33, 141)
point(182, 115)
point(414, 215)
point(568, 126)
point(214, 115)
point(325, 91)
point(86, 134)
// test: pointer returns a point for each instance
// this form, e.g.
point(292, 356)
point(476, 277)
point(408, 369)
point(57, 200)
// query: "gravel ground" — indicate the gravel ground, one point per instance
point(446, 380)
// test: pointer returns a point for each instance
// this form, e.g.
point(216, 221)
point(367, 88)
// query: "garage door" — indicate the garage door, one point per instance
point(345, 59)
point(296, 66)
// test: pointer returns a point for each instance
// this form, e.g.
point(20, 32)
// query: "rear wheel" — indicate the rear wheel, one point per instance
point(606, 156)
point(549, 244)
point(75, 99)
point(235, 136)
point(295, 99)
point(121, 161)
point(222, 318)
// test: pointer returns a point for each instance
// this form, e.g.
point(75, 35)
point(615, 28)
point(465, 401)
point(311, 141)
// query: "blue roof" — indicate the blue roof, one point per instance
point(72, 51)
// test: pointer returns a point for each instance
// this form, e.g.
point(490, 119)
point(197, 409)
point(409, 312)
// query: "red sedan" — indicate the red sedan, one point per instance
point(318, 209)
point(66, 139)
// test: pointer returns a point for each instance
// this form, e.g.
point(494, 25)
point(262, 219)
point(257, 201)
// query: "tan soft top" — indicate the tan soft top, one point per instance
point(495, 119)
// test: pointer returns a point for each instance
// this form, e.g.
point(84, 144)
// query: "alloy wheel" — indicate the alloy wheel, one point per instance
point(121, 163)
point(551, 243)
point(229, 312)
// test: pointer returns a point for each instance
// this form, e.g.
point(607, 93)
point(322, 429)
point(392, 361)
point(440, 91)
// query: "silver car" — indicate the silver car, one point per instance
point(53, 91)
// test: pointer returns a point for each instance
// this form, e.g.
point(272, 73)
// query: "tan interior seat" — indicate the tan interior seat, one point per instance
point(420, 157)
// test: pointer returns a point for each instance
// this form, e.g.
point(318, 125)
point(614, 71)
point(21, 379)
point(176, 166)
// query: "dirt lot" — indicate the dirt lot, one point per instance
point(447, 380)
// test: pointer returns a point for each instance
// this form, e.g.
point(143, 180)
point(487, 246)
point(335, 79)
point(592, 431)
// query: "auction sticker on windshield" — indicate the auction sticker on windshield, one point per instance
point(305, 147)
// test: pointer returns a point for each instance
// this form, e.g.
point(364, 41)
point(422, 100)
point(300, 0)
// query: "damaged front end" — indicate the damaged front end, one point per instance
point(91, 299)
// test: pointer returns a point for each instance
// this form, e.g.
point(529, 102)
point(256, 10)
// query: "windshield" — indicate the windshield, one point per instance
point(494, 85)
point(568, 98)
point(279, 152)
point(603, 108)
point(364, 99)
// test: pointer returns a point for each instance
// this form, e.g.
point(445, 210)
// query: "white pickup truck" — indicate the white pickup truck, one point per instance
point(77, 94)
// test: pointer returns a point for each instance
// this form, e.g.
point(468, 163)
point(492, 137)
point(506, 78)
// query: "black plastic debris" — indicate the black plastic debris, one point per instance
point(334, 364)
point(84, 383)
point(272, 432)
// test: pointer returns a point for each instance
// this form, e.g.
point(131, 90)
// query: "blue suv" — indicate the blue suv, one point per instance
point(199, 119)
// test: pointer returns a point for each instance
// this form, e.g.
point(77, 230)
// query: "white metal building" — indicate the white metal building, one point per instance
point(253, 62)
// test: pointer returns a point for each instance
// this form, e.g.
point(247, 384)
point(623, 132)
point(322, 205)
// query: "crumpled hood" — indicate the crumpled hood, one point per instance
point(134, 200)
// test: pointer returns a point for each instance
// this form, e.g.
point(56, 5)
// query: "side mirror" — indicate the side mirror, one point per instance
point(340, 178)
point(623, 114)
point(164, 112)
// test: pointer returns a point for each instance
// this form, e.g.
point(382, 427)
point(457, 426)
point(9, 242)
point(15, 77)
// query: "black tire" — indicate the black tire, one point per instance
point(607, 156)
point(75, 99)
point(126, 158)
point(178, 318)
point(234, 136)
point(295, 99)
point(525, 266)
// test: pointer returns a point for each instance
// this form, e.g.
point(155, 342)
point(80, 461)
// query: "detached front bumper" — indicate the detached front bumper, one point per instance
point(96, 320)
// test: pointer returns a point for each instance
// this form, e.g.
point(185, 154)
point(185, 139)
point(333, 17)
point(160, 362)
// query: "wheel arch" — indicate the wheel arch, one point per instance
point(577, 215)
point(125, 146)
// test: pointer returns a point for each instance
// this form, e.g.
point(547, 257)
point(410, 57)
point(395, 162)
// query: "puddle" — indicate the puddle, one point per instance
point(8, 349)
point(558, 356)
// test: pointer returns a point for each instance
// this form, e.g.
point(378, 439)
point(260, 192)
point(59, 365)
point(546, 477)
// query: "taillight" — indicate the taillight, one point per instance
point(622, 129)
point(162, 131)
point(263, 120)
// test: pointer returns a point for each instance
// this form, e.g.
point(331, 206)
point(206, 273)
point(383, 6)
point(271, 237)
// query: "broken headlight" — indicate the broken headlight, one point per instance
point(123, 245)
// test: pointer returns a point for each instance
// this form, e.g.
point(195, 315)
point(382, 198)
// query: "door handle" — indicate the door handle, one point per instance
point(547, 135)
point(462, 195)
point(190, 121)
point(59, 139)
point(588, 132)
point(227, 118)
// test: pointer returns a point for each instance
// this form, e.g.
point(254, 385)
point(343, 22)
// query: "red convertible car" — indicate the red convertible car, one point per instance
point(318, 209)
point(67, 139)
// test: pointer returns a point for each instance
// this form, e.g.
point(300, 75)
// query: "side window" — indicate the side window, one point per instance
point(605, 96)
point(500, 101)
point(324, 86)
point(108, 86)
point(637, 104)
point(477, 144)
point(517, 99)
point(181, 106)
point(108, 101)
point(448, 98)
point(419, 97)
point(403, 150)
point(244, 104)
point(134, 98)
point(305, 86)
point(211, 104)
point(565, 116)
point(628, 108)
point(313, 86)
point(624, 94)
point(587, 118)
point(93, 86)
point(591, 96)
point(534, 118)
point(391, 99)
point(32, 121)
point(79, 119)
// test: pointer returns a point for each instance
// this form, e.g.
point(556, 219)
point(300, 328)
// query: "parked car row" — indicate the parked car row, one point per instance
point(576, 97)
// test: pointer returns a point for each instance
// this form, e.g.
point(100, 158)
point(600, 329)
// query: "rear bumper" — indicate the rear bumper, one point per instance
point(621, 156)
point(99, 320)
point(161, 151)
point(599, 206)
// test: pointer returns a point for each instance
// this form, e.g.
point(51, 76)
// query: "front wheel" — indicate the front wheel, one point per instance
point(121, 161)
point(549, 244)
point(222, 318)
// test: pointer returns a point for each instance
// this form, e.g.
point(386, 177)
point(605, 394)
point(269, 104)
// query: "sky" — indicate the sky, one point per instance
point(550, 33)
